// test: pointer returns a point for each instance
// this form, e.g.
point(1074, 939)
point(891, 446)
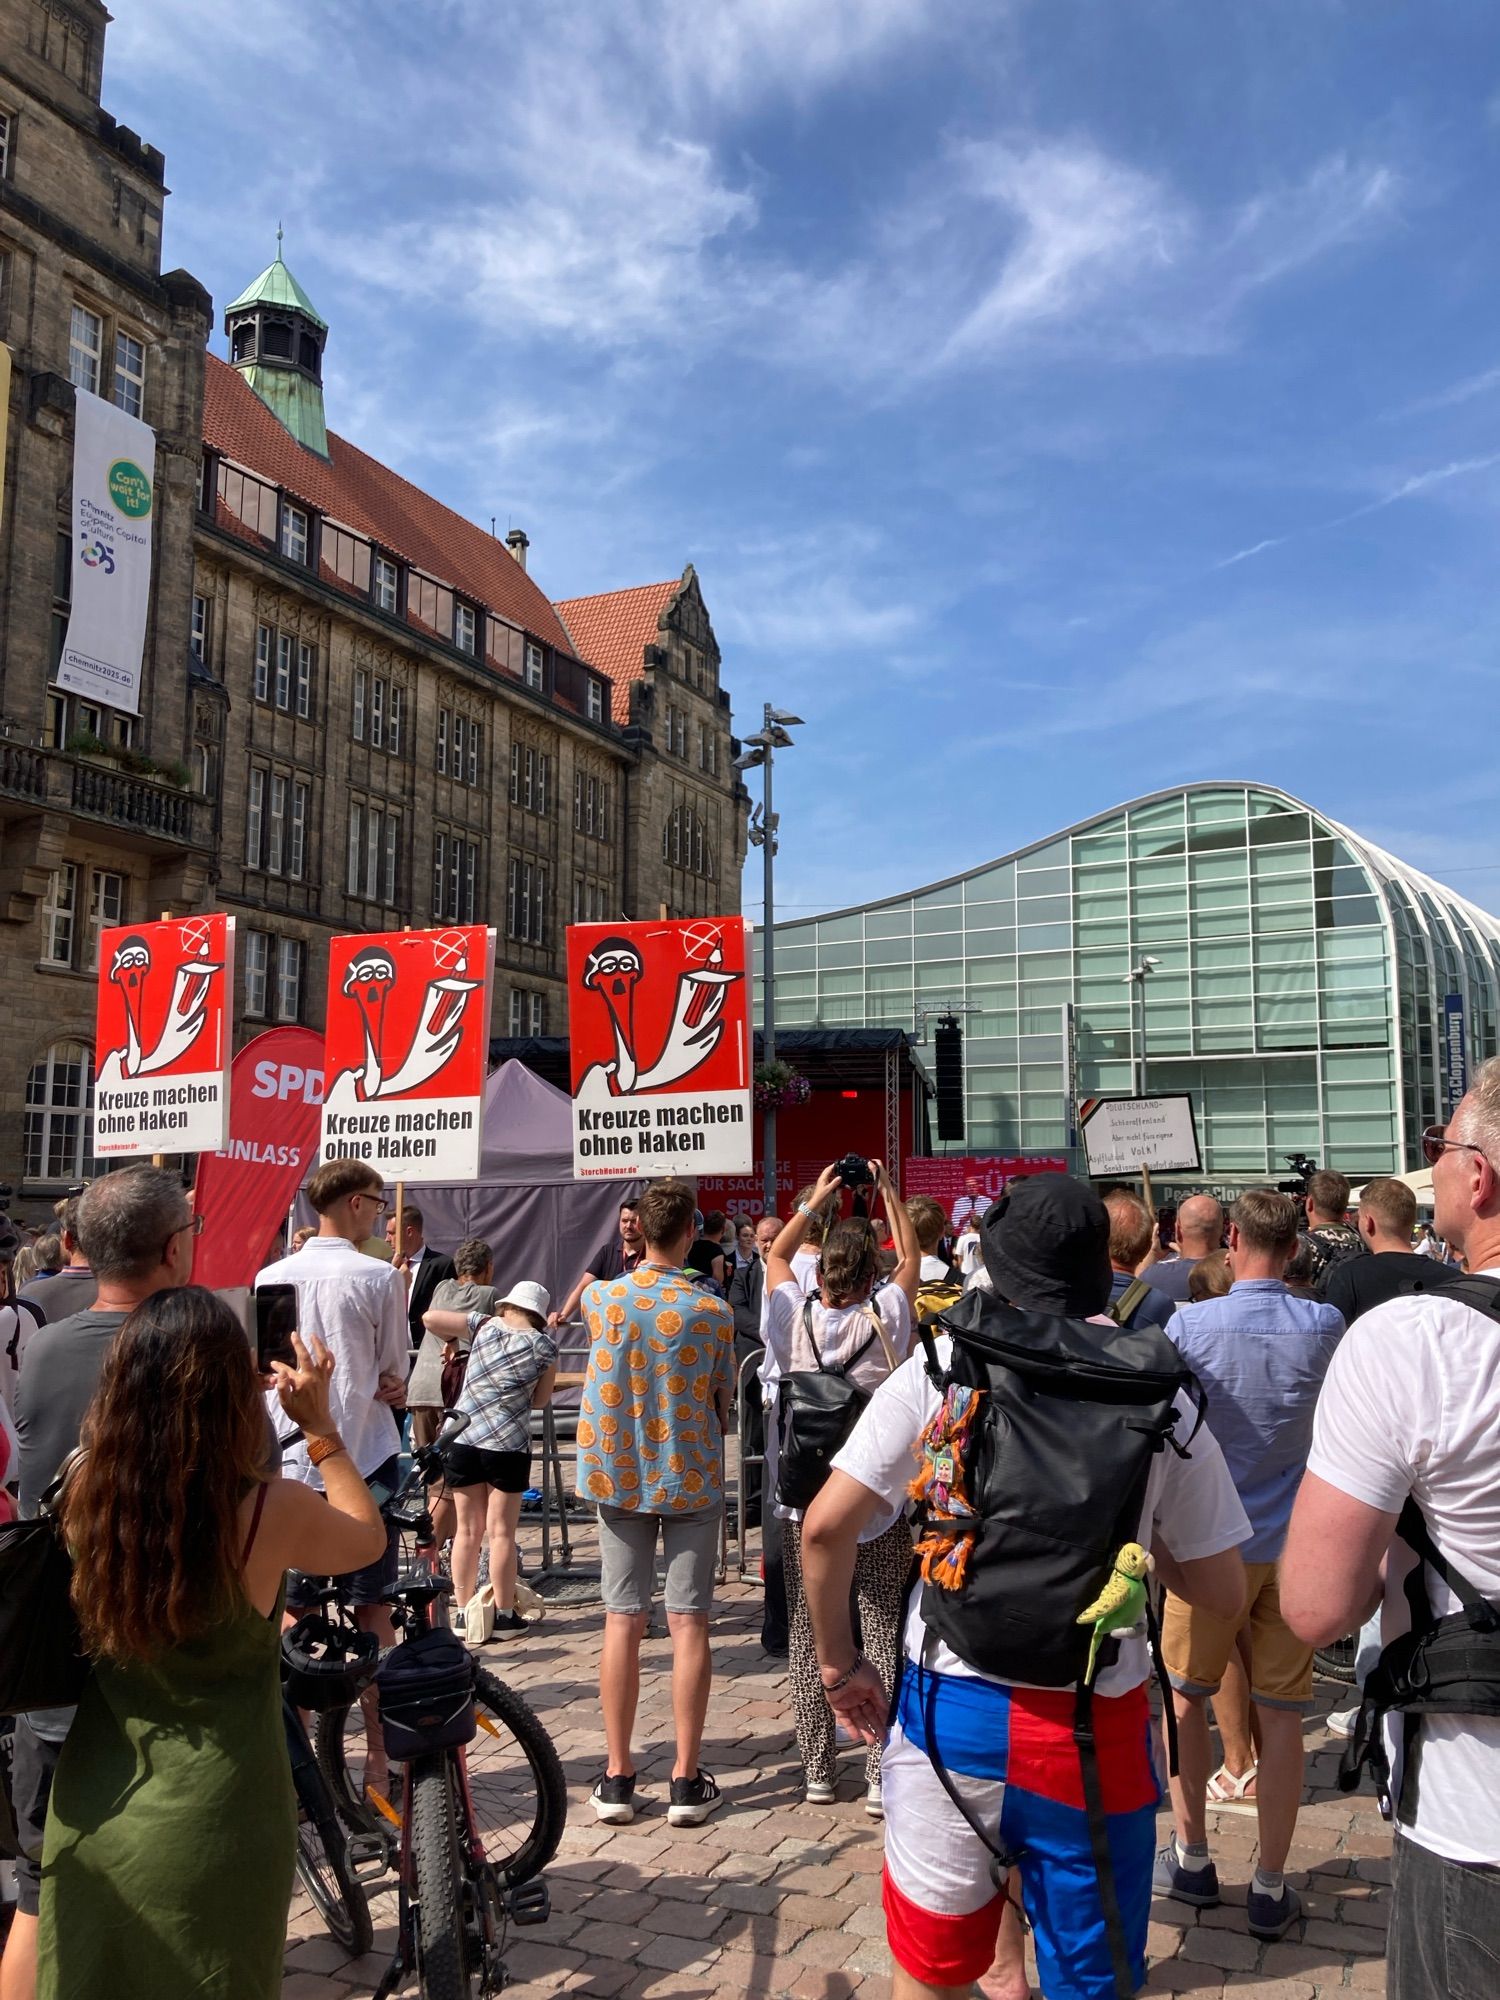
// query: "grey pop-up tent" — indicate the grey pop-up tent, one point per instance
point(537, 1219)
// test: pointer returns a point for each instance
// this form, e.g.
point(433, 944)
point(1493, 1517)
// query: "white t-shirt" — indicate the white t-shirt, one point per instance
point(357, 1307)
point(839, 1331)
point(805, 1265)
point(1190, 1505)
point(970, 1253)
point(1411, 1406)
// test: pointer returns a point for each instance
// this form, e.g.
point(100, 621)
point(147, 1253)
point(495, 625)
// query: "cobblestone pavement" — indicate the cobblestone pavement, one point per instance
point(781, 1901)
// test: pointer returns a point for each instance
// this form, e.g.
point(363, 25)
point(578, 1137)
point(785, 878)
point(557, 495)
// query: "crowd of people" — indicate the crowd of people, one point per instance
point(1307, 1387)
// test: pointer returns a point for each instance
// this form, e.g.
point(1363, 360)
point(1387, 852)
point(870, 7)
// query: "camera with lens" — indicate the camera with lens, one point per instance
point(854, 1171)
point(1300, 1164)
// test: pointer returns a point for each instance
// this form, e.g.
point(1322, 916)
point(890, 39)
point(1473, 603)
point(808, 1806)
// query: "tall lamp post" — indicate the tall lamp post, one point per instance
point(760, 749)
point(1137, 976)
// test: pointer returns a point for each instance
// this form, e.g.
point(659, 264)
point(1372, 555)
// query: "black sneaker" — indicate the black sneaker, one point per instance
point(1198, 1886)
point(693, 1799)
point(1271, 1917)
point(613, 1800)
point(510, 1625)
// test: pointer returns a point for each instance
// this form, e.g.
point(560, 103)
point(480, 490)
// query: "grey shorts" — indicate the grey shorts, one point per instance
point(627, 1554)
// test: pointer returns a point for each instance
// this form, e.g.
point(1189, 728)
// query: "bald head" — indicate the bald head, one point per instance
point(1200, 1225)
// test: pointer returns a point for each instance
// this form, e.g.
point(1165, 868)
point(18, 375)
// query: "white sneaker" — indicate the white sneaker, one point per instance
point(874, 1804)
point(1342, 1721)
point(819, 1795)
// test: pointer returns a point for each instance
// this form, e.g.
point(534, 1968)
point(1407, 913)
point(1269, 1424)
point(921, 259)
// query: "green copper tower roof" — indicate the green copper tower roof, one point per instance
point(277, 287)
point(276, 342)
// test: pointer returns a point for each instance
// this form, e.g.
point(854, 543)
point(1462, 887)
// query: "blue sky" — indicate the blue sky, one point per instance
point(1059, 400)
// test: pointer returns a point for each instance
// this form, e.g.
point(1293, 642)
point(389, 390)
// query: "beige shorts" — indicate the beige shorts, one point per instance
point(1197, 1646)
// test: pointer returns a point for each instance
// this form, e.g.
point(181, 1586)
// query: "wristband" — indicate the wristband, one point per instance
point(810, 1213)
point(844, 1678)
point(319, 1448)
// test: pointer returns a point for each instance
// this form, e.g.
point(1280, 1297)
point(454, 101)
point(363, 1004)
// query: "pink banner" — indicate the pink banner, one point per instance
point(243, 1193)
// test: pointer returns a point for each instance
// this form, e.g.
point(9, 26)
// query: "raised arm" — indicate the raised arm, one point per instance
point(794, 1231)
point(908, 1272)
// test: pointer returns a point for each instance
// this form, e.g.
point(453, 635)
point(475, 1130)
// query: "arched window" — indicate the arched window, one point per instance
point(60, 1114)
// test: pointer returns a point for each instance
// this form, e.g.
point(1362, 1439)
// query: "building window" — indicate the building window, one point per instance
point(106, 911)
point(708, 750)
point(535, 667)
point(7, 142)
point(198, 639)
point(85, 349)
point(384, 584)
point(130, 374)
point(60, 1115)
point(257, 973)
point(517, 1010)
point(593, 695)
point(591, 806)
point(307, 657)
point(377, 714)
point(254, 811)
point(263, 641)
point(60, 916)
point(590, 901)
point(676, 731)
point(293, 533)
point(397, 718)
point(463, 627)
point(526, 902)
point(289, 979)
point(685, 844)
point(538, 1014)
point(460, 739)
point(455, 879)
point(297, 853)
point(442, 742)
point(530, 778)
point(276, 828)
point(283, 684)
point(374, 847)
point(357, 725)
point(475, 731)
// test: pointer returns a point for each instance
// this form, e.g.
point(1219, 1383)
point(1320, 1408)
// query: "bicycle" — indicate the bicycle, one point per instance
point(515, 1778)
point(332, 1864)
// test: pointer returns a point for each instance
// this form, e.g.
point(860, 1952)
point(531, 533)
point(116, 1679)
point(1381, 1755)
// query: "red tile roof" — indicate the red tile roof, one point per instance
point(368, 497)
point(612, 630)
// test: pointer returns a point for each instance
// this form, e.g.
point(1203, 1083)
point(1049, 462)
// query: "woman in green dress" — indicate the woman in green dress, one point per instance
point(171, 1836)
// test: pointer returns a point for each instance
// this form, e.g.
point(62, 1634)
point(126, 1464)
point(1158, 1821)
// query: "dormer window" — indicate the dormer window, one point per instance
point(384, 583)
point(294, 530)
point(463, 627)
point(535, 667)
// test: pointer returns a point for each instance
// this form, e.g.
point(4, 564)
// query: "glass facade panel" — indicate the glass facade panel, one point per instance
point(1286, 955)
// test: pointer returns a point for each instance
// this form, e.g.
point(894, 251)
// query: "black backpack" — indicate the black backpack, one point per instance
point(819, 1407)
point(1071, 1417)
point(1442, 1666)
point(1054, 1466)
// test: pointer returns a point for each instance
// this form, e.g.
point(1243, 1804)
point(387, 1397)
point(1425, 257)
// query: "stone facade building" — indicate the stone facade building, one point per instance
point(98, 822)
point(359, 711)
point(400, 728)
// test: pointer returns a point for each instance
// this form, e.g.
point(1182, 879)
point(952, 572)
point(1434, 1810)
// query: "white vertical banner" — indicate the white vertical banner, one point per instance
point(114, 467)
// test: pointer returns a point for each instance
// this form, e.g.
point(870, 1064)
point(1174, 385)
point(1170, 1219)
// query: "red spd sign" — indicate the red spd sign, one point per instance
point(163, 1038)
point(406, 1051)
point(659, 1022)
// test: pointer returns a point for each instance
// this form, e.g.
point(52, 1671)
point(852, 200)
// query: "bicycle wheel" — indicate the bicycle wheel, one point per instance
point(516, 1785)
point(442, 1972)
point(342, 1758)
point(1335, 1662)
point(323, 1864)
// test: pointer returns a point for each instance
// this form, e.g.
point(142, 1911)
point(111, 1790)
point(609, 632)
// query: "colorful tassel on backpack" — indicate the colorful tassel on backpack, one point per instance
point(939, 1486)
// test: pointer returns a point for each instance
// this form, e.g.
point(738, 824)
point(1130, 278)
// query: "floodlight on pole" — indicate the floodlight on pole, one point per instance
point(759, 750)
point(1137, 976)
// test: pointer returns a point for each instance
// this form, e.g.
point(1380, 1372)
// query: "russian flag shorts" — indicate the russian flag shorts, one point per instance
point(1010, 1753)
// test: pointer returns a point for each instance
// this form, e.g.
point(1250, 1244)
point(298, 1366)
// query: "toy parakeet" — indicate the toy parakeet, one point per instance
point(1120, 1603)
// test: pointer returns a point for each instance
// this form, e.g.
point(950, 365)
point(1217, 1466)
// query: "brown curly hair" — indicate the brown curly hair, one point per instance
point(851, 1262)
point(175, 1436)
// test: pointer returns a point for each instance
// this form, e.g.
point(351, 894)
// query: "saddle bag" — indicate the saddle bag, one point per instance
point(426, 1692)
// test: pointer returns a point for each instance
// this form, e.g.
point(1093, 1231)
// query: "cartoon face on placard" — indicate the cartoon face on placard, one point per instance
point(162, 994)
point(660, 1007)
point(407, 1047)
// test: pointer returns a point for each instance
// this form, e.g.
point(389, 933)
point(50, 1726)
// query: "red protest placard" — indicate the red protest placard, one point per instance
point(659, 1027)
point(243, 1192)
point(407, 1046)
point(163, 1037)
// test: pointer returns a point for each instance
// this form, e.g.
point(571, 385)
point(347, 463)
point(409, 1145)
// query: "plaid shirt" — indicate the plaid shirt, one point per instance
point(505, 1365)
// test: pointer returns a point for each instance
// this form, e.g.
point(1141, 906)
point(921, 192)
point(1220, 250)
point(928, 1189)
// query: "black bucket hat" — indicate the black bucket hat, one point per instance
point(1046, 1246)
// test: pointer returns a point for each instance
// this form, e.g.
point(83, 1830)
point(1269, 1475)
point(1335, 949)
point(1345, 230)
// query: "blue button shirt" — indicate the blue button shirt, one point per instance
point(1261, 1353)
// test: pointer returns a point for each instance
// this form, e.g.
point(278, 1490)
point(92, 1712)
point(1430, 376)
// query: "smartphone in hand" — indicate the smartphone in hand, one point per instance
point(275, 1323)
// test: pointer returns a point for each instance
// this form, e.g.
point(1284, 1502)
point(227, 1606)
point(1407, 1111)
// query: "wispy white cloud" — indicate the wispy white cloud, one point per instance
point(1406, 489)
point(1465, 391)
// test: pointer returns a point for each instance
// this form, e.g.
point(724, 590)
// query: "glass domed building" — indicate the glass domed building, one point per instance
point(1312, 993)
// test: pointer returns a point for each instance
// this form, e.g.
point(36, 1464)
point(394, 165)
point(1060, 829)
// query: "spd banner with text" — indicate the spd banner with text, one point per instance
point(659, 1028)
point(407, 1046)
point(243, 1193)
point(164, 1037)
